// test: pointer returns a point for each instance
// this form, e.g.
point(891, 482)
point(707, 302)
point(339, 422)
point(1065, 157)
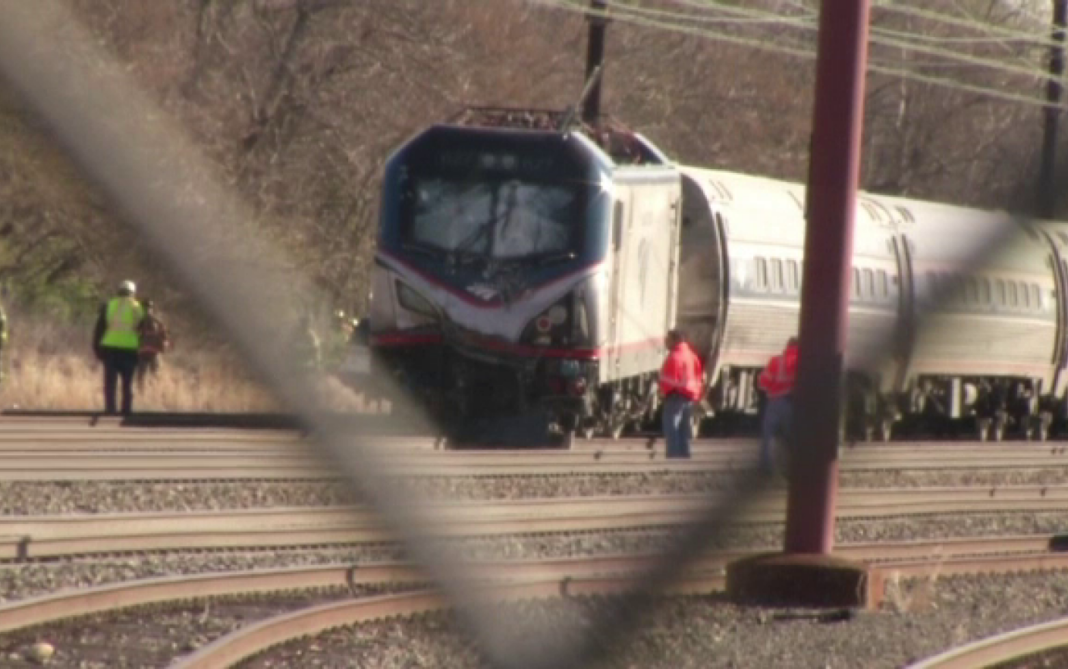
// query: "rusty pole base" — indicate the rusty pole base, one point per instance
point(803, 580)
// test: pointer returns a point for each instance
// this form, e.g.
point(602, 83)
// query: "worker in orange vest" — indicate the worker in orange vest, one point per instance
point(680, 385)
point(777, 382)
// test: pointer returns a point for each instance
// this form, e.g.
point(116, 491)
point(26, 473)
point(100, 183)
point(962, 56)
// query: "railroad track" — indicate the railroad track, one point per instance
point(34, 452)
point(518, 579)
point(283, 461)
point(43, 537)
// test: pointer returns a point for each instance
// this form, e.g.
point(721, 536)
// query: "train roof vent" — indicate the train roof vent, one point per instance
point(622, 144)
point(872, 212)
point(906, 215)
point(720, 189)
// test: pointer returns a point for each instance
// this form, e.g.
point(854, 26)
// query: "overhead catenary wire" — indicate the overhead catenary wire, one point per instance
point(890, 38)
point(991, 31)
point(808, 53)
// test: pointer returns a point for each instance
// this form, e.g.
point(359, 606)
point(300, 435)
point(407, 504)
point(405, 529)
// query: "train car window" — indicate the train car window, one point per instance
point(1025, 296)
point(1036, 297)
point(855, 293)
point(867, 285)
point(882, 285)
point(776, 275)
point(1012, 293)
point(761, 274)
point(793, 282)
point(971, 290)
point(984, 291)
point(960, 289)
point(999, 292)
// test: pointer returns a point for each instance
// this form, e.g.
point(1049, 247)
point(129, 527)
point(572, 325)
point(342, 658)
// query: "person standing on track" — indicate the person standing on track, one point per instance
point(777, 382)
point(680, 385)
point(115, 343)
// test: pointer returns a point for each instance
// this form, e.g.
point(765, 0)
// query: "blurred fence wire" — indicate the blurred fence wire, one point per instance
point(172, 196)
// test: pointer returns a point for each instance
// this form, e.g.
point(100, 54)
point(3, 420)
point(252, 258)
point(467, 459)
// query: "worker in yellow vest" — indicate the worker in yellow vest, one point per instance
point(115, 343)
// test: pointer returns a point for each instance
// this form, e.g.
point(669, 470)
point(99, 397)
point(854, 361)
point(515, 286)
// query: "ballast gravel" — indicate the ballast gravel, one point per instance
point(66, 497)
point(924, 618)
point(154, 636)
point(18, 581)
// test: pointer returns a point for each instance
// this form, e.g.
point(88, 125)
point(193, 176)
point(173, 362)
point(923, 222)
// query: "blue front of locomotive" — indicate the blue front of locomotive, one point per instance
point(488, 242)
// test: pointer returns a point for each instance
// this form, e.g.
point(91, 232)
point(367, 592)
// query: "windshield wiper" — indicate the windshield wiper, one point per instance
point(423, 250)
point(553, 258)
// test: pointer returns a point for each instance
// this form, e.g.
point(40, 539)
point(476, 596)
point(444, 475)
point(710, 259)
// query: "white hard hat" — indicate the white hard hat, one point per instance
point(128, 286)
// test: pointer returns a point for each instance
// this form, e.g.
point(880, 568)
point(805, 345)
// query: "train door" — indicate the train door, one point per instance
point(1059, 262)
point(702, 289)
point(905, 331)
point(616, 329)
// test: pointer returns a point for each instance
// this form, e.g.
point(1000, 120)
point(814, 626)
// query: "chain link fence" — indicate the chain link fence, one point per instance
point(174, 200)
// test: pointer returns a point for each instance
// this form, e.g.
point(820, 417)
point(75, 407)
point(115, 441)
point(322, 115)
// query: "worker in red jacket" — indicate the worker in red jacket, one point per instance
point(681, 386)
point(777, 382)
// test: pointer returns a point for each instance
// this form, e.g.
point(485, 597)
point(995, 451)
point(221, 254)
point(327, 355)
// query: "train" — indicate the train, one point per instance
point(529, 263)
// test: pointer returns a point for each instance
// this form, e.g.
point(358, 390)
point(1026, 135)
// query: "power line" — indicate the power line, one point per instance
point(808, 53)
point(879, 36)
point(1040, 37)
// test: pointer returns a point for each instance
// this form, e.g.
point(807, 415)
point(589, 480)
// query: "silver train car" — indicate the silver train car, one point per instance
point(525, 267)
point(954, 313)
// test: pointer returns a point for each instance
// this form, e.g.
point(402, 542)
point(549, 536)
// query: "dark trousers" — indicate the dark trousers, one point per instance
point(778, 417)
point(118, 363)
point(677, 432)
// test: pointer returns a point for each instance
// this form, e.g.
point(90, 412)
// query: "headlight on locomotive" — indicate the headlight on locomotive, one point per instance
point(565, 323)
point(411, 300)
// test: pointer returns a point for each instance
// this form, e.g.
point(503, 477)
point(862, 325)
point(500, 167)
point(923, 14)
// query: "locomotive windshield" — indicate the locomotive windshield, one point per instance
point(495, 196)
point(499, 218)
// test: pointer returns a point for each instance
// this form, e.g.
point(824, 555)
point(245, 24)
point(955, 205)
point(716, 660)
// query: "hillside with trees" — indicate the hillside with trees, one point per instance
point(300, 102)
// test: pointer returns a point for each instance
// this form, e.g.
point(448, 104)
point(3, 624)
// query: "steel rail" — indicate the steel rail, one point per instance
point(70, 604)
point(1001, 648)
point(253, 639)
point(40, 537)
point(49, 608)
point(979, 564)
point(296, 465)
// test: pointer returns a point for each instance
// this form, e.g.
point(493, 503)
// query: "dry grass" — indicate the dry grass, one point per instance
point(916, 595)
point(48, 367)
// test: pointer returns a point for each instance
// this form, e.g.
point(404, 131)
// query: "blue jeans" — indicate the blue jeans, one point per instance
point(677, 434)
point(778, 414)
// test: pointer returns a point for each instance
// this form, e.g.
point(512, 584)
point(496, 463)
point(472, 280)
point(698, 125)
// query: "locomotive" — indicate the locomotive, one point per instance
point(526, 262)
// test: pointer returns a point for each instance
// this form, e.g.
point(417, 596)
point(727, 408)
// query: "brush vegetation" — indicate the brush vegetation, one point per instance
point(300, 103)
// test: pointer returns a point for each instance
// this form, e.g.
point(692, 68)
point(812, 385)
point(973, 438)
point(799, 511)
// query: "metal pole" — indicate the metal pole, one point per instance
point(834, 167)
point(1047, 196)
point(591, 106)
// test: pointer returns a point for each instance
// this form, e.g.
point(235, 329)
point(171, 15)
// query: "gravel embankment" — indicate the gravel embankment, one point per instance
point(47, 498)
point(18, 581)
point(156, 636)
point(700, 632)
point(919, 619)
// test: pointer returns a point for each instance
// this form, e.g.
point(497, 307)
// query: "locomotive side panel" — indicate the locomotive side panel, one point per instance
point(640, 300)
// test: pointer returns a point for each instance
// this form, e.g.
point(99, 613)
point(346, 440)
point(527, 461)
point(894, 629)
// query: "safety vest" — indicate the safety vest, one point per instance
point(777, 379)
point(681, 373)
point(122, 316)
